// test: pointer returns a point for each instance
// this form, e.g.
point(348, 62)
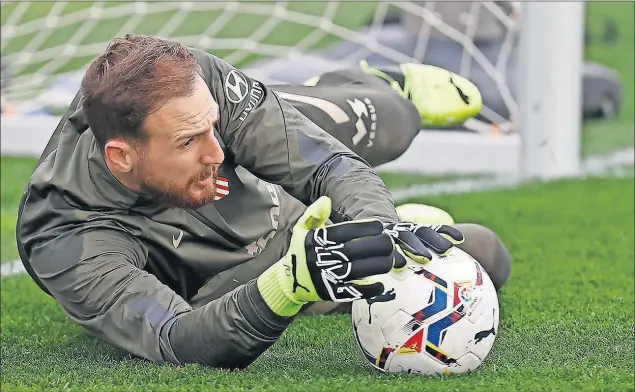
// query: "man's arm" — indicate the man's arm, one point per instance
point(96, 277)
point(273, 140)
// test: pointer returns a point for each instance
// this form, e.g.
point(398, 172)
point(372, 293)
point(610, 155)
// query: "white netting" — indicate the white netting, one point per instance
point(46, 42)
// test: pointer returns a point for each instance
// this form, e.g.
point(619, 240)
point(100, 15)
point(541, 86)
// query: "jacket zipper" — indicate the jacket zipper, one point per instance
point(226, 236)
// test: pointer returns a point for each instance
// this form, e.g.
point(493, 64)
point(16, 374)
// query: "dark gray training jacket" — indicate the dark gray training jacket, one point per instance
point(125, 268)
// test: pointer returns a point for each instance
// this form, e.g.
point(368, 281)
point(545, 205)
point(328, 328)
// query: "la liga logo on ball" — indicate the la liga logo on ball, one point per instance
point(465, 293)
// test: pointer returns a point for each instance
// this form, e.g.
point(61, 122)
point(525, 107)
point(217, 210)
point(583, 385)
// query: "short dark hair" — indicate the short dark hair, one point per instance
point(134, 76)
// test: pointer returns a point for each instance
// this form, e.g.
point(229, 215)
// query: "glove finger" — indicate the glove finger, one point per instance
point(367, 288)
point(412, 245)
point(451, 234)
point(421, 259)
point(353, 290)
point(433, 240)
point(316, 214)
point(399, 259)
point(346, 231)
point(363, 268)
point(378, 245)
point(376, 265)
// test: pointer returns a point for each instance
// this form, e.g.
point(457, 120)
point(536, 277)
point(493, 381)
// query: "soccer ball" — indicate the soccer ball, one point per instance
point(434, 318)
point(423, 214)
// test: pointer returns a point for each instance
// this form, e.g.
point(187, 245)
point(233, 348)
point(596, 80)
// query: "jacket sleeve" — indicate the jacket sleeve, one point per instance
point(96, 276)
point(274, 141)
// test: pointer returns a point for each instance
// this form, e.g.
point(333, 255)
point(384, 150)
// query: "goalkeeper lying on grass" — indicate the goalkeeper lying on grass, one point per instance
point(168, 213)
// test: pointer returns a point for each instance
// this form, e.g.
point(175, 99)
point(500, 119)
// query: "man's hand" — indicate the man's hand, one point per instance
point(329, 263)
point(417, 240)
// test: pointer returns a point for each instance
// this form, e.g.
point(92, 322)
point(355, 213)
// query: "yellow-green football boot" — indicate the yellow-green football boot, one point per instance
point(442, 98)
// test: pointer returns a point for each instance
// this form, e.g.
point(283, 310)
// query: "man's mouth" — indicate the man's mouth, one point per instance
point(207, 179)
point(206, 182)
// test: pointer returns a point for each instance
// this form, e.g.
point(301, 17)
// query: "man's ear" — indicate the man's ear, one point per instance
point(120, 155)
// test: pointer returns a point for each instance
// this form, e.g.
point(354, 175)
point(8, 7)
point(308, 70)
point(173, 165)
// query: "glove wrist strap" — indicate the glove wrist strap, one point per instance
point(274, 295)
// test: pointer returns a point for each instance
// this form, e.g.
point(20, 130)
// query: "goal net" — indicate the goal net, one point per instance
point(45, 46)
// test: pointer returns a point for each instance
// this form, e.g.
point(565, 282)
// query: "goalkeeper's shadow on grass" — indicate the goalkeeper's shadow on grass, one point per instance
point(282, 361)
point(280, 358)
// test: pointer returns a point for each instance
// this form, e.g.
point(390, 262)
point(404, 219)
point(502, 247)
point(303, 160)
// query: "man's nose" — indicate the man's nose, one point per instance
point(213, 154)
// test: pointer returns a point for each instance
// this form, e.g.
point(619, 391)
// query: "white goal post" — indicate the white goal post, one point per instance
point(525, 57)
point(551, 49)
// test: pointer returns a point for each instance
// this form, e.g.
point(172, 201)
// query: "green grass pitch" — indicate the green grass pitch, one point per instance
point(566, 311)
point(566, 315)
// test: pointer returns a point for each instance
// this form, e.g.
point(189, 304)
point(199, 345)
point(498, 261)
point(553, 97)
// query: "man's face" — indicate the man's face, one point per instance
point(178, 164)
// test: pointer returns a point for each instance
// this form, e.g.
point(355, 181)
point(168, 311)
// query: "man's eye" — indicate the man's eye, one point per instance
point(188, 142)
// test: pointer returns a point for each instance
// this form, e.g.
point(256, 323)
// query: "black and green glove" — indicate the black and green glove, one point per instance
point(329, 263)
point(417, 240)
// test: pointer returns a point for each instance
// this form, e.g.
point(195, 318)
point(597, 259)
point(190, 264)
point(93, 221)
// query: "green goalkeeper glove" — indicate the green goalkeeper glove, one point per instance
point(328, 263)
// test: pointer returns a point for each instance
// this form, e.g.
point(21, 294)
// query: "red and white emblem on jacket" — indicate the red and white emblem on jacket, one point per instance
point(222, 188)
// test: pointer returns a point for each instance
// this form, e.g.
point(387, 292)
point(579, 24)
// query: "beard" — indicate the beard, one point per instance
point(177, 194)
